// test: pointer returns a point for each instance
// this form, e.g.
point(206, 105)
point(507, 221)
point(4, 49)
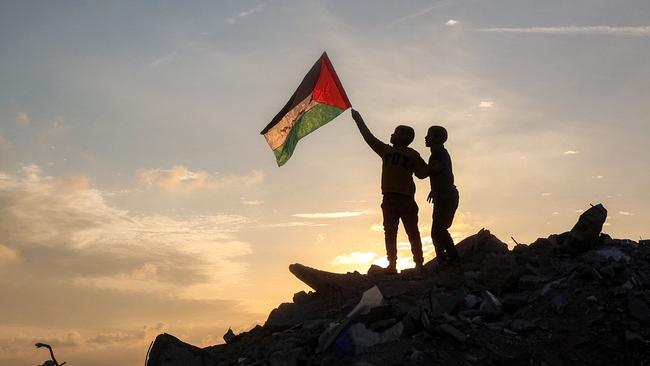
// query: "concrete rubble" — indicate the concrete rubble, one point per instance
point(579, 297)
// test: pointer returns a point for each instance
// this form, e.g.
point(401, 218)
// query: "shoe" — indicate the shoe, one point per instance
point(391, 269)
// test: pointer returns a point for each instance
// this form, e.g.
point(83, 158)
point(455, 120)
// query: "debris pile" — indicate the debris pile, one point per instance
point(575, 298)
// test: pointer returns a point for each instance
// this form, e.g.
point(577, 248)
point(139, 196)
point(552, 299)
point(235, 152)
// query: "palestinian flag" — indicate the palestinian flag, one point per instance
point(318, 100)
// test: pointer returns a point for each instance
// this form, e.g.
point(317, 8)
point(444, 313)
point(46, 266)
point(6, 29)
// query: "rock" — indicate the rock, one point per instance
point(471, 301)
point(521, 325)
point(634, 338)
point(301, 297)
point(613, 253)
point(361, 337)
point(442, 303)
point(454, 332)
point(376, 270)
point(418, 358)
point(500, 272)
point(168, 350)
point(324, 282)
point(638, 309)
point(477, 246)
point(559, 302)
point(591, 298)
point(585, 232)
point(531, 282)
point(490, 305)
point(286, 315)
point(286, 357)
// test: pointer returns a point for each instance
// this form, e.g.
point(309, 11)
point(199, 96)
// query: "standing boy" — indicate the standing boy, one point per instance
point(443, 195)
point(399, 163)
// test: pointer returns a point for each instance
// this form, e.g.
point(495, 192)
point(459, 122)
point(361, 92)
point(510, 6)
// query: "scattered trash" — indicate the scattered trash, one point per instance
point(228, 337)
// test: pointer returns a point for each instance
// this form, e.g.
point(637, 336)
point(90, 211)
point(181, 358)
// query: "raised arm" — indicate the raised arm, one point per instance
point(375, 144)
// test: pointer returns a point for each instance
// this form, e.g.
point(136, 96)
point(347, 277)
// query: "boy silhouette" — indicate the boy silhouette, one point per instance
point(443, 195)
point(399, 163)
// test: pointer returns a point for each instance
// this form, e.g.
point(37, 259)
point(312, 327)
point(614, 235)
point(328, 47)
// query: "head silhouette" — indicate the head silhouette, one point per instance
point(436, 135)
point(402, 136)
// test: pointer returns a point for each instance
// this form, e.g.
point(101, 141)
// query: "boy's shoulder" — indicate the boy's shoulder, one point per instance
point(406, 150)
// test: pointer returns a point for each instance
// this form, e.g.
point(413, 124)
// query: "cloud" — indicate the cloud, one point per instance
point(63, 229)
point(355, 258)
point(161, 60)
point(486, 104)
point(244, 14)
point(587, 30)
point(451, 22)
point(127, 336)
point(55, 130)
point(545, 194)
point(598, 176)
point(22, 118)
point(377, 228)
point(7, 254)
point(625, 213)
point(293, 224)
point(329, 215)
point(180, 178)
point(419, 13)
point(5, 144)
point(252, 202)
point(571, 152)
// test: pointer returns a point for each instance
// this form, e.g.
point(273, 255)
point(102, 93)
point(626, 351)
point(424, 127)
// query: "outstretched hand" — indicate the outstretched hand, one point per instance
point(356, 116)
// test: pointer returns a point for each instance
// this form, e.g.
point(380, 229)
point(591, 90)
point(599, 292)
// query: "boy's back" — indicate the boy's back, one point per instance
point(399, 163)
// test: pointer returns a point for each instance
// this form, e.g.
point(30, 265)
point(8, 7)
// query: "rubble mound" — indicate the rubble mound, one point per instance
point(556, 301)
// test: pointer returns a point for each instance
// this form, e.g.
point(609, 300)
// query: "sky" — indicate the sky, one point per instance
point(138, 197)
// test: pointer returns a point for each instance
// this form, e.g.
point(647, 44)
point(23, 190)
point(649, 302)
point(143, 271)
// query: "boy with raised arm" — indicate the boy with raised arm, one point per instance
point(399, 163)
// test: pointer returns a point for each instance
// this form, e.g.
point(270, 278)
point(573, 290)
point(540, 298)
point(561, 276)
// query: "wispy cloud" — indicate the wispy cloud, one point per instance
point(22, 118)
point(418, 13)
point(486, 104)
point(180, 178)
point(571, 152)
point(451, 22)
point(625, 213)
point(161, 60)
point(293, 224)
point(355, 258)
point(252, 202)
point(572, 29)
point(244, 14)
point(329, 215)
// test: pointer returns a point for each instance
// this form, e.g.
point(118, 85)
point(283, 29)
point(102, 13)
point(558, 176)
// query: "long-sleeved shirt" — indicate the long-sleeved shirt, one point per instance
point(398, 166)
point(441, 177)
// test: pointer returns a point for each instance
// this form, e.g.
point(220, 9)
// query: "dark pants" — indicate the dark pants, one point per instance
point(444, 208)
point(395, 207)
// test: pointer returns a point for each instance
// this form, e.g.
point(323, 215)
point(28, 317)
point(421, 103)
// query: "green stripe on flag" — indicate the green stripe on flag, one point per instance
point(316, 117)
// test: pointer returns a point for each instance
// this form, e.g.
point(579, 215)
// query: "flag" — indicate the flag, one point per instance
point(319, 99)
